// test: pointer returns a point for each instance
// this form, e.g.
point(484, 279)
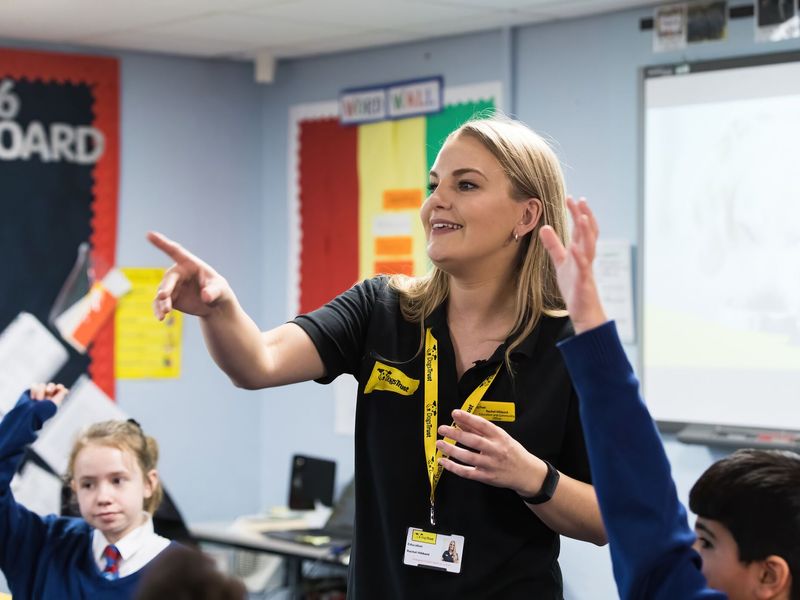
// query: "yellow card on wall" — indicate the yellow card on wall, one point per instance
point(146, 348)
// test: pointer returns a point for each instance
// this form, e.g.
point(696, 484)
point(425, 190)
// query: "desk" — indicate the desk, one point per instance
point(244, 535)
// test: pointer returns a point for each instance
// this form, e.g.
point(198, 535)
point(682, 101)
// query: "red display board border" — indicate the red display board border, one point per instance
point(101, 74)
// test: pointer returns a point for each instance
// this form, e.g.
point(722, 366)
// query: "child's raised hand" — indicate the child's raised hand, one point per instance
point(190, 285)
point(54, 392)
point(574, 267)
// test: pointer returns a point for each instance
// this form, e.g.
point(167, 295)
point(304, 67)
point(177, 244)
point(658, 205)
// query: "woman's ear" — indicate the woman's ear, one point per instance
point(774, 578)
point(531, 215)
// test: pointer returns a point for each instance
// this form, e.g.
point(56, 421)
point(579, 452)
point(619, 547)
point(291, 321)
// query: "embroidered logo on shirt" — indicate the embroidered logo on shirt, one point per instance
point(390, 379)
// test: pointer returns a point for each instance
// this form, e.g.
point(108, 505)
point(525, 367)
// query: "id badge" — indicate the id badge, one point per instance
point(434, 550)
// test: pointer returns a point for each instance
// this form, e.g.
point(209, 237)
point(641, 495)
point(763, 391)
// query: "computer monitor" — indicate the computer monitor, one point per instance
point(312, 481)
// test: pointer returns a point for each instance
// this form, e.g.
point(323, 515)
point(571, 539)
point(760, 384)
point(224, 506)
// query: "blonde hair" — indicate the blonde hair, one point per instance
point(126, 436)
point(533, 171)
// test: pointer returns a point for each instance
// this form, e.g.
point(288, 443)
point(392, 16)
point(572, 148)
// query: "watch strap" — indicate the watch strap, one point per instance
point(548, 486)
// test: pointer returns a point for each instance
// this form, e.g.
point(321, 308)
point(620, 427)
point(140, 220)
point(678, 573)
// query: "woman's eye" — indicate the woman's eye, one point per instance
point(432, 187)
point(705, 544)
point(465, 186)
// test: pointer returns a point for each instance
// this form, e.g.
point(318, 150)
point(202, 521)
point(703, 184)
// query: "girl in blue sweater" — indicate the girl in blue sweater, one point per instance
point(112, 472)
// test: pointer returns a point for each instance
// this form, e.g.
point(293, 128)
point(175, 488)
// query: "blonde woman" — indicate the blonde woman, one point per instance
point(451, 554)
point(478, 332)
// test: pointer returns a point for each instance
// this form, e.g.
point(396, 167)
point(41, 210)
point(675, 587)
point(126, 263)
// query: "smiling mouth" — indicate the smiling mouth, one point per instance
point(441, 226)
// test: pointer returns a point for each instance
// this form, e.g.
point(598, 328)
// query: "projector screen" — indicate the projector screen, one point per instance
point(720, 242)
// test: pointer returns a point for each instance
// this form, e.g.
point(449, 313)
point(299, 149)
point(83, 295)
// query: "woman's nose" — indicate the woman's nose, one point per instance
point(438, 198)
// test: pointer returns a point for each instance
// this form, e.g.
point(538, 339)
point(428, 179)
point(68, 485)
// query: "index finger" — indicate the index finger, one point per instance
point(172, 249)
point(469, 422)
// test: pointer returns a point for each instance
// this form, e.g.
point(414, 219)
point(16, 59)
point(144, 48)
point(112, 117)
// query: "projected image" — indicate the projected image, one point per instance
point(721, 250)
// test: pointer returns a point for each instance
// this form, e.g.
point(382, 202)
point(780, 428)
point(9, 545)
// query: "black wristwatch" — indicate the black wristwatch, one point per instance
point(548, 486)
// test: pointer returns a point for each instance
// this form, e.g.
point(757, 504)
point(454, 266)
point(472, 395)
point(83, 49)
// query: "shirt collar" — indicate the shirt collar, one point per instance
point(526, 348)
point(437, 321)
point(128, 545)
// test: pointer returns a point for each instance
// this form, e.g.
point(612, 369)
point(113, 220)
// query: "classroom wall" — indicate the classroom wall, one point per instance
point(191, 157)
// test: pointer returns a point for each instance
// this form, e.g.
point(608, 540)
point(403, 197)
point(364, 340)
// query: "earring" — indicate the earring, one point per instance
point(516, 236)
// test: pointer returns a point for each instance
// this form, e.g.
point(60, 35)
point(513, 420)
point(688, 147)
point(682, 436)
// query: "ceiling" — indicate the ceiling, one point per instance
point(241, 29)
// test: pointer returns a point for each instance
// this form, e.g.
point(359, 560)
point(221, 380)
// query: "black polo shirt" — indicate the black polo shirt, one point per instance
point(508, 552)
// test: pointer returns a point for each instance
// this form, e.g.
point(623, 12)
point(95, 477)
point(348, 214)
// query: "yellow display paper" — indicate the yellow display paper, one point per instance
point(146, 348)
point(391, 172)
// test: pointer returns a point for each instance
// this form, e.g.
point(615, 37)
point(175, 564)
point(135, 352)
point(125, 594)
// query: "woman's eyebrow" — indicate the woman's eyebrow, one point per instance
point(463, 171)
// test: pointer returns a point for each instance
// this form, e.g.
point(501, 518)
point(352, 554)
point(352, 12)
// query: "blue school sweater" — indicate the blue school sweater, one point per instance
point(45, 557)
point(649, 537)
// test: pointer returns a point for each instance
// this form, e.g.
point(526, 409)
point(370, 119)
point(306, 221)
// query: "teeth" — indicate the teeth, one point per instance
point(446, 226)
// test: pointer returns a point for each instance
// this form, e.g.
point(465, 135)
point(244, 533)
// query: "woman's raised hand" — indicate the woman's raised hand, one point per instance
point(190, 285)
point(574, 267)
point(49, 391)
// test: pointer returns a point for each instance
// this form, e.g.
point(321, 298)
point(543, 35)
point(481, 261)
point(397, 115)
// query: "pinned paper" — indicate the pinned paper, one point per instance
point(37, 490)
point(80, 323)
point(402, 199)
point(776, 20)
point(614, 275)
point(29, 354)
point(670, 27)
point(146, 348)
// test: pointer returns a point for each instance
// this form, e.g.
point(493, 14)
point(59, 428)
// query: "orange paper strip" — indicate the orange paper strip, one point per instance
point(393, 245)
point(405, 199)
point(390, 267)
point(101, 305)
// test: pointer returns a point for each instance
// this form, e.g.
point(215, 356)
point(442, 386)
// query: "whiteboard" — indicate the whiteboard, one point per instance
point(720, 242)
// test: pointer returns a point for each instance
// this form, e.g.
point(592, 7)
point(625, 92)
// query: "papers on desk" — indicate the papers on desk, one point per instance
point(280, 518)
point(85, 404)
point(263, 524)
point(29, 354)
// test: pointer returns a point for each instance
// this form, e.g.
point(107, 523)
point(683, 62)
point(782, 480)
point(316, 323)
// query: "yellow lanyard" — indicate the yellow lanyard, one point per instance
point(430, 425)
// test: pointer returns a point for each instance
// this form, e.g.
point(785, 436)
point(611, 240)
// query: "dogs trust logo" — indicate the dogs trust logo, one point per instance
point(390, 379)
point(430, 356)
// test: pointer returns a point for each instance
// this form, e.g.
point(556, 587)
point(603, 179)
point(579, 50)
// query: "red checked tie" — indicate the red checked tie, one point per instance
point(112, 556)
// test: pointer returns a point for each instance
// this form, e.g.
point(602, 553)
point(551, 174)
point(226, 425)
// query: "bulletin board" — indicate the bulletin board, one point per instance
point(59, 165)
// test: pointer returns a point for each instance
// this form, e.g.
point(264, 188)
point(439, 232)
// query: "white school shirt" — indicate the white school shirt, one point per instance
point(137, 548)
